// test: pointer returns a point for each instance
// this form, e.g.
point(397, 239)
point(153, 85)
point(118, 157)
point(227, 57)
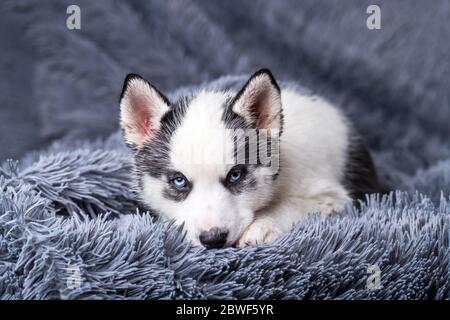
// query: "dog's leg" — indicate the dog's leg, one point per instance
point(272, 222)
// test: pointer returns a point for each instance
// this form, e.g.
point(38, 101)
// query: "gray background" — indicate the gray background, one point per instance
point(394, 82)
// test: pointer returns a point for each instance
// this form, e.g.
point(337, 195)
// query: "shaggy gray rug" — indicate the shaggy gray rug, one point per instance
point(59, 236)
point(393, 247)
point(46, 256)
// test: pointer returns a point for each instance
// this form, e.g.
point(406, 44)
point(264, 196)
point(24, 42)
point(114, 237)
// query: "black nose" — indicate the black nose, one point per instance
point(213, 238)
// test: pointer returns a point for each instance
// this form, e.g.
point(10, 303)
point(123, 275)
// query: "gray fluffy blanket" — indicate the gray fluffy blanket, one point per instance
point(59, 232)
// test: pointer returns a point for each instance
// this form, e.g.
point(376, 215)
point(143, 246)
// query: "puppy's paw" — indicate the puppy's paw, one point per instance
point(260, 231)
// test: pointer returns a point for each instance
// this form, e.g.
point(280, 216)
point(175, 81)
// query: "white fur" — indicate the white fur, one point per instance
point(256, 88)
point(140, 104)
point(202, 151)
point(313, 150)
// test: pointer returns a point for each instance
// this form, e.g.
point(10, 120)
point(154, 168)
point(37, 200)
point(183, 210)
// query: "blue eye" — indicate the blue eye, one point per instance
point(179, 182)
point(235, 176)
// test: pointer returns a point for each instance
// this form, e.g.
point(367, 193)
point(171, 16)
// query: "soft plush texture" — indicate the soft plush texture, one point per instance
point(59, 205)
point(405, 236)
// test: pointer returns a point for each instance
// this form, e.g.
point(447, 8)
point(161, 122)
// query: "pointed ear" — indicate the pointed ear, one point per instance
point(141, 108)
point(259, 101)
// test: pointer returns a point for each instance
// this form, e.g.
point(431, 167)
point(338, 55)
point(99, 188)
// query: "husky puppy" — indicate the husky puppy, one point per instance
point(240, 168)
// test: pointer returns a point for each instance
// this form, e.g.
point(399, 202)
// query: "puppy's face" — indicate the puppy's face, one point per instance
point(209, 161)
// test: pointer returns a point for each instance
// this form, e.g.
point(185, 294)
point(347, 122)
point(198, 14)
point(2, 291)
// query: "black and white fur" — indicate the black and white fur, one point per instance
point(322, 163)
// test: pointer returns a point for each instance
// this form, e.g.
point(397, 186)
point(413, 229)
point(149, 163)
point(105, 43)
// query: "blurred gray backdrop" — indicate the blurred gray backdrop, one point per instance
point(394, 82)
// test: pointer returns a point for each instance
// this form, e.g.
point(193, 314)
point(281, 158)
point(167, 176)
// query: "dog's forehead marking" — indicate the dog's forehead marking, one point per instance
point(202, 145)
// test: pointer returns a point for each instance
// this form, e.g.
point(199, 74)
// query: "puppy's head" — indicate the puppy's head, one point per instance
point(210, 160)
